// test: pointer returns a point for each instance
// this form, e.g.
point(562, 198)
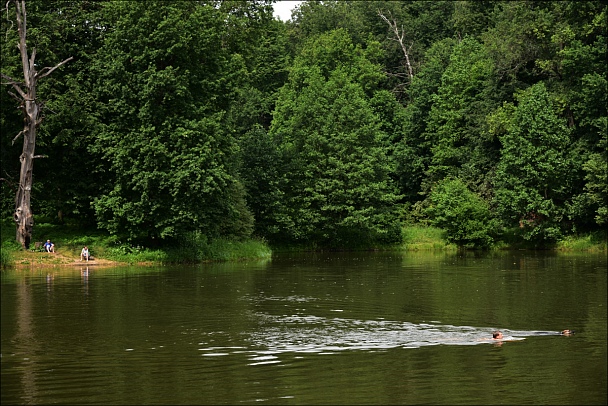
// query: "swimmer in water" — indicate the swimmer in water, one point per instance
point(497, 335)
point(566, 332)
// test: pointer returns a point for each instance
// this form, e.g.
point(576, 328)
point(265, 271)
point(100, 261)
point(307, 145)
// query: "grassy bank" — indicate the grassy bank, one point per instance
point(194, 247)
point(425, 238)
point(6, 259)
point(69, 240)
point(595, 242)
point(418, 237)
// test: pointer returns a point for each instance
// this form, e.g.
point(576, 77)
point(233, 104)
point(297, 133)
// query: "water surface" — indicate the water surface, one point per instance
point(331, 328)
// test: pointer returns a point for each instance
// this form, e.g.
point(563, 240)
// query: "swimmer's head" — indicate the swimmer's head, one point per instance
point(497, 335)
point(567, 332)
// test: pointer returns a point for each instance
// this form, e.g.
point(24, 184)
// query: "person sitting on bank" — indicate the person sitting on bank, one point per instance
point(49, 246)
point(85, 253)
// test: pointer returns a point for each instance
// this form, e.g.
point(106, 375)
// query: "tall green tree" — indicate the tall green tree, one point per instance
point(413, 152)
point(338, 191)
point(577, 74)
point(534, 177)
point(422, 23)
point(253, 33)
point(313, 18)
point(518, 36)
point(594, 199)
point(457, 120)
point(471, 18)
point(263, 171)
point(71, 178)
point(267, 60)
point(165, 80)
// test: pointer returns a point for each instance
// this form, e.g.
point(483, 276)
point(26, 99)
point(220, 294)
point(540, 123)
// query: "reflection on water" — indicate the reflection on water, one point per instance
point(331, 329)
point(27, 343)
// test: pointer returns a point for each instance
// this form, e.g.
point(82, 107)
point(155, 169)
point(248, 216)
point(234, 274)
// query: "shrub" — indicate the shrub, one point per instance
point(5, 259)
point(464, 216)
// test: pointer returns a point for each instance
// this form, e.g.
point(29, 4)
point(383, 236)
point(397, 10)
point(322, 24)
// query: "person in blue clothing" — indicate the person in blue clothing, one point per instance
point(49, 246)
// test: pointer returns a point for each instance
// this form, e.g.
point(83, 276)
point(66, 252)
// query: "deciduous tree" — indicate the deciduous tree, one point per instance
point(456, 122)
point(165, 81)
point(533, 178)
point(338, 191)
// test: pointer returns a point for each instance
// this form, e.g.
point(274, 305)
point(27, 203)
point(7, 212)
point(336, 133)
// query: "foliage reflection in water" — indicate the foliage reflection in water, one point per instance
point(328, 328)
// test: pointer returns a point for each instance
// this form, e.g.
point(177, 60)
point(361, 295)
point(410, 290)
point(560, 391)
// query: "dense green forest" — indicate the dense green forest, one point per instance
point(335, 129)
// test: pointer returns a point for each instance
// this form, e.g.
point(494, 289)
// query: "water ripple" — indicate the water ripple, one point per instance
point(314, 334)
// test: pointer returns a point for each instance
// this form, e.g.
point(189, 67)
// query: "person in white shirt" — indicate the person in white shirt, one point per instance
point(85, 253)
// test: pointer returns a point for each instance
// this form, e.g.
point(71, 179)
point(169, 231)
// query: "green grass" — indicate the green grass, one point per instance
point(6, 259)
point(192, 248)
point(195, 247)
point(595, 242)
point(420, 237)
point(8, 246)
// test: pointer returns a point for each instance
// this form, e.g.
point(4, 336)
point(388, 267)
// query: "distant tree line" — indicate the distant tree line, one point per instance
point(334, 129)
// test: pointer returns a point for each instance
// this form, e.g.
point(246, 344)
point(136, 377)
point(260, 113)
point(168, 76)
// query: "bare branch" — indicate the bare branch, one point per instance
point(16, 98)
point(22, 30)
point(7, 77)
point(40, 156)
point(15, 85)
point(38, 75)
point(399, 38)
point(8, 19)
point(16, 136)
point(32, 59)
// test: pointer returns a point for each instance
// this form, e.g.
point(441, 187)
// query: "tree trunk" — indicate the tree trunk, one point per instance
point(23, 211)
point(31, 108)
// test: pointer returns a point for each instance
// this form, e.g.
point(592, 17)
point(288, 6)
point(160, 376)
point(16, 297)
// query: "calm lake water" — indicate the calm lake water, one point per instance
point(330, 328)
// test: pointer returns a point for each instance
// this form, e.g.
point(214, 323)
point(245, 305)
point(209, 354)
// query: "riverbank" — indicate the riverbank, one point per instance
point(108, 250)
point(24, 259)
point(194, 248)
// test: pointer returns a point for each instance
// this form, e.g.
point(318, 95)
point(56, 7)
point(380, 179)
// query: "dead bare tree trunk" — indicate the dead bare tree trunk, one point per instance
point(399, 38)
point(31, 108)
